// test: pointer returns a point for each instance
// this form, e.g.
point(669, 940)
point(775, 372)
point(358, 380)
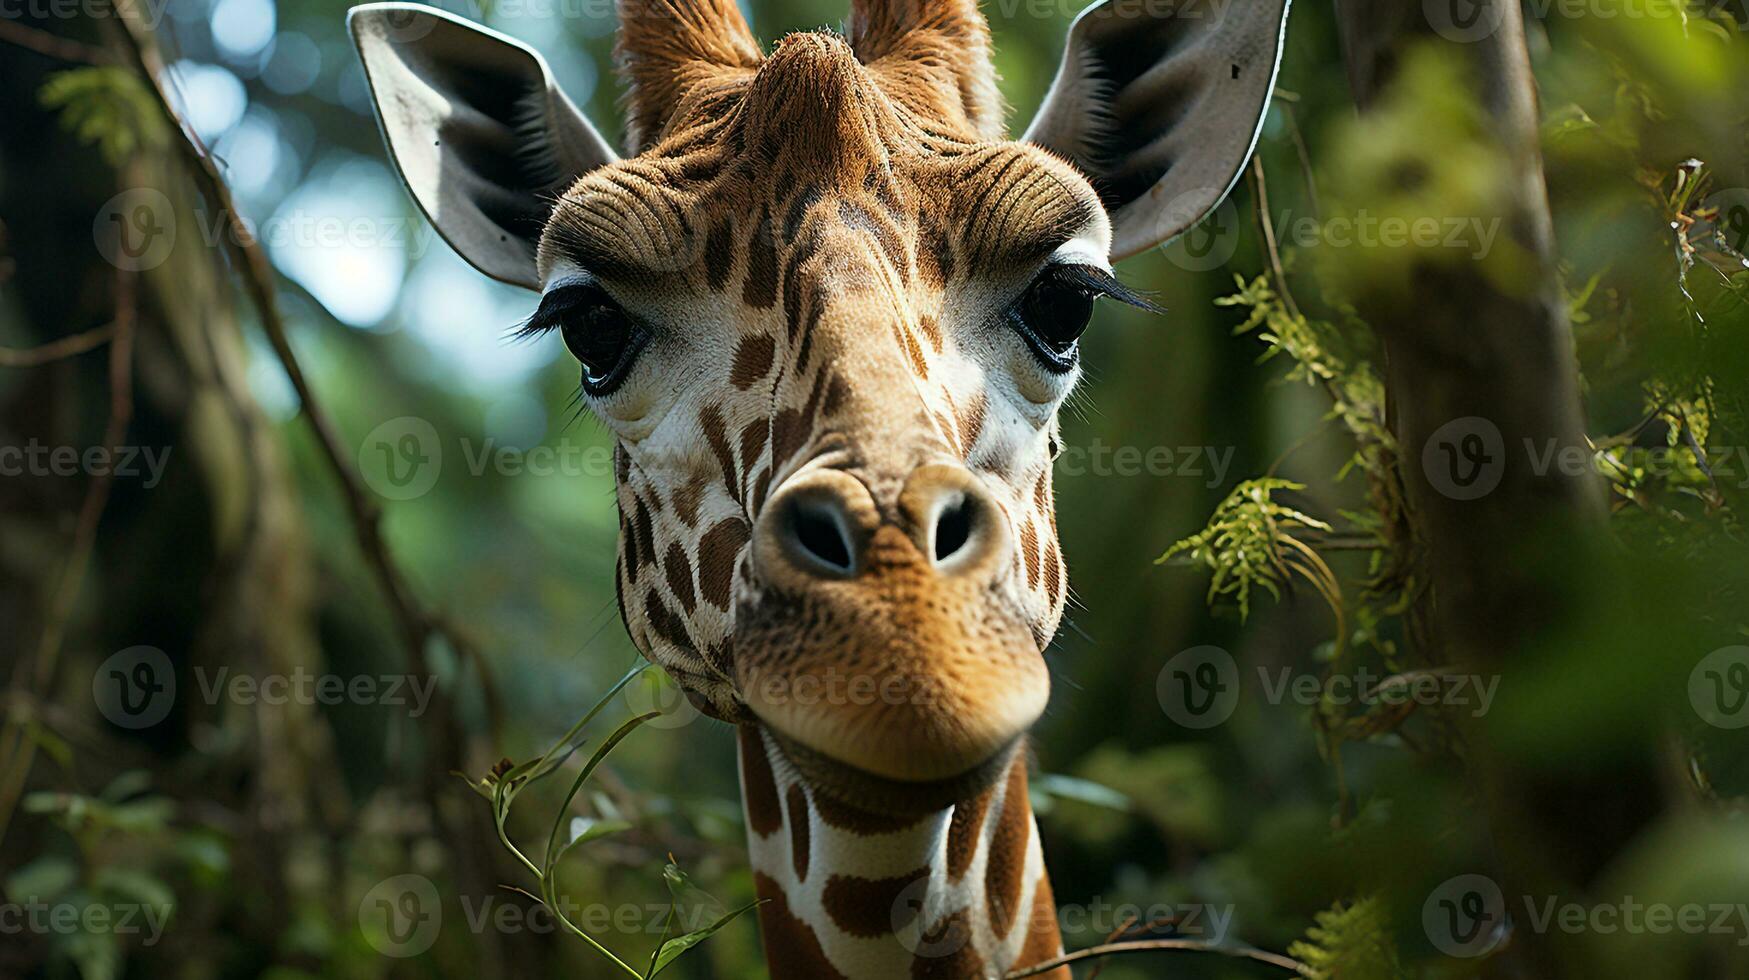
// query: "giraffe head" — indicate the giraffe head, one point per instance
point(829, 311)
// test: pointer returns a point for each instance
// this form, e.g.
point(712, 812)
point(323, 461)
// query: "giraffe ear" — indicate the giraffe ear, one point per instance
point(482, 137)
point(1161, 105)
point(667, 49)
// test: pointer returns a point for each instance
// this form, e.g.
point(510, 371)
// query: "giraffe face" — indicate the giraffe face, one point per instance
point(835, 401)
point(829, 312)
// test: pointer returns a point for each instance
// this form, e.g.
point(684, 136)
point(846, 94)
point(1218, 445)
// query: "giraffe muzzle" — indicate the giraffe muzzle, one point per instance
point(884, 634)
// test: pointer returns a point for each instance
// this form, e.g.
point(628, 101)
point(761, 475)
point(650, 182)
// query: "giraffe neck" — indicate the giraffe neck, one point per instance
point(957, 893)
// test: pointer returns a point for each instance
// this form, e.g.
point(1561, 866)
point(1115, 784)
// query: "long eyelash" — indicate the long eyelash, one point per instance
point(551, 310)
point(1096, 280)
point(533, 327)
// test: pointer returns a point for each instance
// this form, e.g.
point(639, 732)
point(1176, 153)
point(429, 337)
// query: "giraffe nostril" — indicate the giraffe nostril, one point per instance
point(954, 521)
point(953, 529)
point(815, 529)
point(817, 535)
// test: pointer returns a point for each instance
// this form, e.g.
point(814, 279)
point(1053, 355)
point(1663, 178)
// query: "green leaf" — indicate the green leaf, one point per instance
point(591, 830)
point(96, 954)
point(107, 107)
point(1243, 540)
point(1082, 790)
point(129, 784)
point(1350, 942)
point(43, 879)
point(588, 769)
point(134, 886)
point(521, 775)
point(671, 949)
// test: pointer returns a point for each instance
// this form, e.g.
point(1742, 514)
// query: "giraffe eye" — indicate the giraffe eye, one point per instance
point(1052, 316)
point(600, 334)
point(1053, 313)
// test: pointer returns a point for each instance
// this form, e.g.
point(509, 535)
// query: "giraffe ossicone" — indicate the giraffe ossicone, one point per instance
point(829, 311)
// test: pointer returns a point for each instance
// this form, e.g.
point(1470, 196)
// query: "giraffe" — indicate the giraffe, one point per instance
point(829, 310)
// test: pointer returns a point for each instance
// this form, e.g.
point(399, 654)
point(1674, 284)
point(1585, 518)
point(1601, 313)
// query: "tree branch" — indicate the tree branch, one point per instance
point(51, 46)
point(18, 750)
point(417, 624)
point(1287, 963)
point(56, 350)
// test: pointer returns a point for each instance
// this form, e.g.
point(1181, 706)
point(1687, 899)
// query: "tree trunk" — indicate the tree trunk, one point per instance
point(1482, 382)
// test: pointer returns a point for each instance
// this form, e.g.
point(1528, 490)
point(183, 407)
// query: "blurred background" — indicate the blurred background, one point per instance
point(247, 702)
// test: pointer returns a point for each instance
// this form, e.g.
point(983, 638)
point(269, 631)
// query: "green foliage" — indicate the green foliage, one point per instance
point(1426, 150)
point(1350, 942)
point(1169, 786)
point(107, 107)
point(1322, 354)
point(506, 781)
point(1248, 542)
point(92, 889)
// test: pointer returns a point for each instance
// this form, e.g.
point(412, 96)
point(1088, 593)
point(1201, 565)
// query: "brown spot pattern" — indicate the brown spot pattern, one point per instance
point(1043, 941)
point(716, 560)
point(971, 421)
point(760, 289)
point(667, 625)
point(687, 499)
point(859, 822)
point(759, 788)
point(866, 907)
point(719, 254)
point(753, 357)
point(646, 533)
point(1029, 553)
point(946, 951)
point(931, 328)
point(753, 437)
point(679, 572)
point(715, 433)
point(791, 948)
point(1007, 862)
point(964, 833)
